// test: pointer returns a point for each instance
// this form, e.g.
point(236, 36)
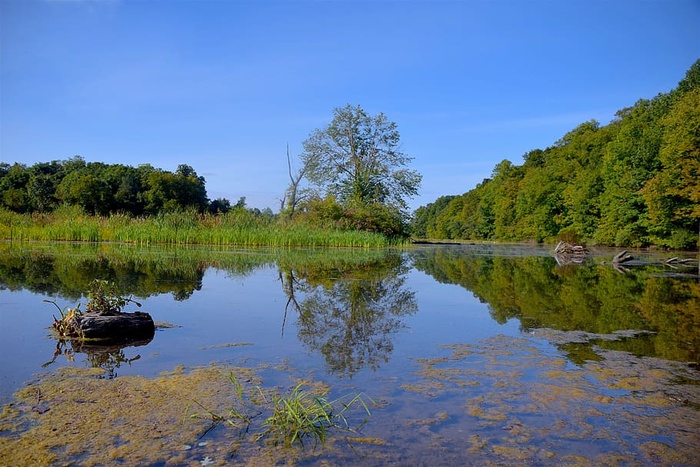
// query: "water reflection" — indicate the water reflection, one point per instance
point(346, 304)
point(68, 270)
point(592, 298)
point(106, 357)
point(349, 314)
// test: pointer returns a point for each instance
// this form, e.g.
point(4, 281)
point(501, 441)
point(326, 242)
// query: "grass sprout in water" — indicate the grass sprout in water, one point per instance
point(303, 414)
point(300, 415)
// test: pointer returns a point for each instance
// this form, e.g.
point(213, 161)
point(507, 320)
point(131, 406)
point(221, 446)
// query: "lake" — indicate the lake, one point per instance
point(462, 354)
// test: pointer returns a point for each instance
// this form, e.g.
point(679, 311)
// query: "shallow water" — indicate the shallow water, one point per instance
point(472, 354)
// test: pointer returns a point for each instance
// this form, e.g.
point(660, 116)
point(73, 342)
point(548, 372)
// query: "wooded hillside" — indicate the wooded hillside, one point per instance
point(633, 182)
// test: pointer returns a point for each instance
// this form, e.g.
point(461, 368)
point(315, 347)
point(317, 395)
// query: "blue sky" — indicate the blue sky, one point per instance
point(224, 86)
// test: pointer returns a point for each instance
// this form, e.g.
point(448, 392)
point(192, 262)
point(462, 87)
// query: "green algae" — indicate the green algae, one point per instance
point(94, 421)
point(132, 420)
point(619, 409)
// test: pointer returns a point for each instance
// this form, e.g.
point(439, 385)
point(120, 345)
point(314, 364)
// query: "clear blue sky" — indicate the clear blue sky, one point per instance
point(224, 85)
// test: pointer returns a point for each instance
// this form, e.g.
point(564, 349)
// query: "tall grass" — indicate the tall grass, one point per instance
point(180, 228)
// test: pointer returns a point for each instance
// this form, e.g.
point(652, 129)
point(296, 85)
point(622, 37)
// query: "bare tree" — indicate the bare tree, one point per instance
point(294, 195)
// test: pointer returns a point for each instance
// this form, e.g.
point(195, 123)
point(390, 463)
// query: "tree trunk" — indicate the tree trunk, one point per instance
point(113, 328)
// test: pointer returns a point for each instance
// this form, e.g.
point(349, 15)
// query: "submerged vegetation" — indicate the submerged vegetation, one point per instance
point(498, 401)
point(143, 421)
point(585, 391)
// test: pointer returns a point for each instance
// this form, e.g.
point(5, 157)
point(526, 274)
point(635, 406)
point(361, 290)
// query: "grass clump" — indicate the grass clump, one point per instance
point(63, 326)
point(303, 414)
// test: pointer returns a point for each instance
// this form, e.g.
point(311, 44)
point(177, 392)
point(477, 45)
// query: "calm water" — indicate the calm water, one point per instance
point(473, 354)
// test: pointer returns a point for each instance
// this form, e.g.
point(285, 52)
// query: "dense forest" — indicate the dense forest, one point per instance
point(634, 182)
point(103, 189)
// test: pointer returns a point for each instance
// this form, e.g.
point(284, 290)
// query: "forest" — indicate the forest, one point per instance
point(102, 189)
point(634, 182)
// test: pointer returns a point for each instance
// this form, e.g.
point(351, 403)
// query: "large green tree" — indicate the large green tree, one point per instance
point(357, 159)
point(673, 195)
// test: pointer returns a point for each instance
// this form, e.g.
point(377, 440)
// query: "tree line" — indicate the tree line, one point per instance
point(634, 182)
point(103, 189)
point(352, 177)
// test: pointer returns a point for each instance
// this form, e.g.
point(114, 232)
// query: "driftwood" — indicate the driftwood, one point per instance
point(565, 253)
point(564, 248)
point(114, 327)
point(623, 260)
point(675, 261)
point(622, 257)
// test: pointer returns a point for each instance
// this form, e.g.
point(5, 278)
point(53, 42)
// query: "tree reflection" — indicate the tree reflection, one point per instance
point(590, 297)
point(350, 313)
point(69, 273)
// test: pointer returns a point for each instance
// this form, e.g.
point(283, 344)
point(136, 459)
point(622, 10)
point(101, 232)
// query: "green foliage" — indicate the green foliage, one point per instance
point(237, 227)
point(357, 160)
point(99, 188)
point(103, 298)
point(302, 414)
point(633, 182)
point(424, 217)
point(293, 418)
point(372, 218)
point(63, 326)
point(673, 194)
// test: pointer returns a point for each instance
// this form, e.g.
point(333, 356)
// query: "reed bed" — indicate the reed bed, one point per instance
point(182, 228)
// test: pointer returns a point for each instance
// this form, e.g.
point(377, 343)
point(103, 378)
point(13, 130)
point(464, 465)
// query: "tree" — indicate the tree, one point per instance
point(220, 206)
point(294, 195)
point(13, 187)
point(673, 195)
point(86, 190)
point(424, 218)
point(357, 159)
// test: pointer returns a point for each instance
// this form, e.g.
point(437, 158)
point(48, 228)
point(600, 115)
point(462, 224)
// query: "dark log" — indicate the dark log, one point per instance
point(113, 328)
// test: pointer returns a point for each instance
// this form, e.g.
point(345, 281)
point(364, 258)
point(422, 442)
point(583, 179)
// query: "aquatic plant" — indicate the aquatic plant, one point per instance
point(103, 298)
point(180, 228)
point(303, 414)
point(62, 326)
point(293, 418)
